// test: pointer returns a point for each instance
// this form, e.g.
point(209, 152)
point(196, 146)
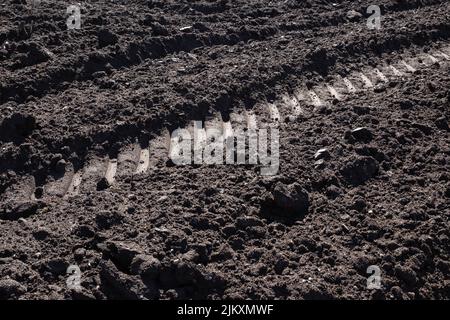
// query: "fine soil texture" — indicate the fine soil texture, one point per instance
point(92, 206)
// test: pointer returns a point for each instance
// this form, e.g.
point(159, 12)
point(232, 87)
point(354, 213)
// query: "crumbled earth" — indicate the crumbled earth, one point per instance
point(362, 182)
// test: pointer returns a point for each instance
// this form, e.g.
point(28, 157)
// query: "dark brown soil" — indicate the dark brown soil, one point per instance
point(72, 101)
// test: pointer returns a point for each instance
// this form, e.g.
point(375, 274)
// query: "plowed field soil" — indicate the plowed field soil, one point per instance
point(86, 181)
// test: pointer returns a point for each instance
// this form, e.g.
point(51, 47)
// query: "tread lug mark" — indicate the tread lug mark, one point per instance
point(198, 134)
point(251, 120)
point(93, 172)
point(340, 88)
point(143, 161)
point(74, 187)
point(262, 112)
point(274, 113)
point(213, 122)
point(20, 193)
point(432, 58)
point(445, 56)
point(293, 105)
point(299, 95)
point(324, 94)
point(315, 100)
point(174, 151)
point(334, 92)
point(159, 149)
point(381, 75)
point(111, 171)
point(227, 130)
point(23, 190)
point(367, 82)
point(408, 67)
point(350, 87)
point(128, 160)
point(238, 121)
point(61, 185)
point(395, 71)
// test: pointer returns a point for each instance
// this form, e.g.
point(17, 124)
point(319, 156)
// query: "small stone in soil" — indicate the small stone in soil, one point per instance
point(103, 184)
point(322, 154)
point(292, 198)
point(359, 170)
point(362, 134)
